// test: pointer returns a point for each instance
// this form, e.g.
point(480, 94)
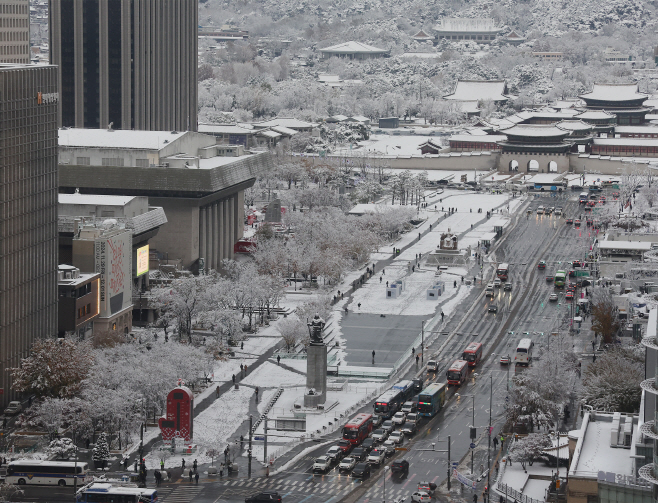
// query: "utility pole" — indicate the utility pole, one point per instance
point(422, 342)
point(472, 450)
point(489, 447)
point(265, 440)
point(251, 420)
point(449, 464)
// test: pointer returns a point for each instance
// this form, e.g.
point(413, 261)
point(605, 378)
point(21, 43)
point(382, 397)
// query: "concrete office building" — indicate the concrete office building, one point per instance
point(132, 63)
point(15, 31)
point(28, 213)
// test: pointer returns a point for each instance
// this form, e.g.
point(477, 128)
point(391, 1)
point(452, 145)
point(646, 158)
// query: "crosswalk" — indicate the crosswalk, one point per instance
point(335, 486)
point(180, 494)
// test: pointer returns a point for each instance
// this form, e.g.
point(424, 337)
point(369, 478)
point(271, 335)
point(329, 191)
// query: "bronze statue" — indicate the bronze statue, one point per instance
point(315, 327)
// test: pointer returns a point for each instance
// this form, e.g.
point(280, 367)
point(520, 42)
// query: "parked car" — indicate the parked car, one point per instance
point(13, 408)
point(271, 496)
point(396, 437)
point(409, 428)
point(347, 464)
point(377, 456)
point(359, 453)
point(379, 435)
point(335, 453)
point(321, 464)
point(388, 426)
point(361, 471)
point(400, 467)
point(399, 418)
point(368, 444)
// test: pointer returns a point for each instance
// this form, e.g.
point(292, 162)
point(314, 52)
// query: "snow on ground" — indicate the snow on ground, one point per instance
point(269, 375)
point(294, 363)
point(349, 399)
point(260, 343)
point(224, 370)
point(214, 427)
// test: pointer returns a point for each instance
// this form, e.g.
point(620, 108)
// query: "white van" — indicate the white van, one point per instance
point(489, 292)
point(432, 366)
point(540, 210)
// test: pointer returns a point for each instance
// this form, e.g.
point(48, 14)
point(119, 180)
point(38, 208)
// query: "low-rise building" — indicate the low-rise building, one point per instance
point(481, 30)
point(230, 134)
point(480, 90)
point(77, 303)
point(548, 55)
point(354, 50)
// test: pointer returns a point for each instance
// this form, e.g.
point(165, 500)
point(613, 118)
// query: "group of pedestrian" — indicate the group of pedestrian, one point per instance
point(192, 473)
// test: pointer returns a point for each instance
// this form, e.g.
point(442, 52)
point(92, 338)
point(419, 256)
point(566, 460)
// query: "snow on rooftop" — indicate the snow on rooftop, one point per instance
point(594, 114)
point(535, 130)
point(96, 199)
point(574, 125)
point(120, 138)
point(625, 245)
point(217, 161)
point(614, 92)
point(640, 142)
point(596, 454)
point(284, 130)
point(353, 47)
point(470, 90)
point(476, 138)
point(223, 129)
point(394, 145)
point(288, 122)
point(467, 24)
point(545, 178)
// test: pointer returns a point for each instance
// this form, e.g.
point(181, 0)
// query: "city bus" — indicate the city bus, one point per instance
point(560, 279)
point(108, 493)
point(432, 399)
point(523, 354)
point(406, 388)
point(357, 429)
point(60, 473)
point(389, 403)
point(472, 354)
point(458, 372)
point(583, 197)
point(502, 272)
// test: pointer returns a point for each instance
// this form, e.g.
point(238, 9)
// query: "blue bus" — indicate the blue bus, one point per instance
point(432, 399)
point(406, 388)
point(389, 403)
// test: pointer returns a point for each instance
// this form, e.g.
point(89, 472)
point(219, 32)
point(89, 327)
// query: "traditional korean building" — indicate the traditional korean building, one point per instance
point(603, 122)
point(482, 30)
point(480, 90)
point(535, 148)
point(622, 100)
point(580, 133)
point(470, 142)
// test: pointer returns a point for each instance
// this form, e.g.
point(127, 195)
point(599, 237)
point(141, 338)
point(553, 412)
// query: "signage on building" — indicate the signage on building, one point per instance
point(142, 265)
point(112, 258)
point(47, 98)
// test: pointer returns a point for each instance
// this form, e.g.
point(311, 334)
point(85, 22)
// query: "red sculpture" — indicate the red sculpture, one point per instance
point(179, 420)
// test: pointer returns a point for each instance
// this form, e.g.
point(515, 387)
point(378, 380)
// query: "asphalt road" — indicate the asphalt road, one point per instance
point(525, 311)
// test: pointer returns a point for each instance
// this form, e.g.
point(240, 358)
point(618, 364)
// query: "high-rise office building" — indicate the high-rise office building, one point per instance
point(14, 31)
point(132, 63)
point(28, 212)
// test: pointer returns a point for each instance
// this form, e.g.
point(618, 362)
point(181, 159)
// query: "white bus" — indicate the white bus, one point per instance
point(523, 354)
point(583, 197)
point(108, 493)
point(60, 473)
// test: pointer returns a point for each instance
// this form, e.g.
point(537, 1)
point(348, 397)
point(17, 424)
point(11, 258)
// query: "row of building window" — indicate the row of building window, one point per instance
point(111, 161)
point(13, 9)
point(84, 311)
point(12, 36)
point(15, 49)
point(623, 149)
point(468, 37)
point(13, 22)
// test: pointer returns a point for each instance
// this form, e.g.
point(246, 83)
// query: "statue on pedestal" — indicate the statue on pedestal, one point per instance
point(315, 327)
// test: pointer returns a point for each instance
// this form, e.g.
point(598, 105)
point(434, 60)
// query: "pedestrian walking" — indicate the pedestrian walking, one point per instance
point(359, 304)
point(232, 377)
point(162, 464)
point(245, 370)
point(135, 466)
point(462, 280)
point(196, 478)
point(442, 315)
point(495, 442)
point(387, 284)
point(381, 279)
point(191, 475)
point(157, 478)
point(242, 345)
point(217, 389)
point(256, 393)
point(417, 358)
point(454, 284)
point(241, 367)
point(413, 351)
point(278, 360)
point(384, 272)
point(183, 464)
point(194, 465)
point(373, 356)
point(413, 268)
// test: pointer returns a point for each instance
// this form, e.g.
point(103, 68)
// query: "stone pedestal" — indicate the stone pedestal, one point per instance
point(316, 375)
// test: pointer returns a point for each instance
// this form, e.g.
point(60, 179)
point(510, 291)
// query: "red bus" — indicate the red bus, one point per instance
point(458, 372)
point(358, 428)
point(502, 272)
point(472, 354)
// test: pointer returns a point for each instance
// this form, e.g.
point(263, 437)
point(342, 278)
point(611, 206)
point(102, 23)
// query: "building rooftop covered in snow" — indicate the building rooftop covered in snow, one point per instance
point(480, 90)
point(482, 30)
point(354, 50)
